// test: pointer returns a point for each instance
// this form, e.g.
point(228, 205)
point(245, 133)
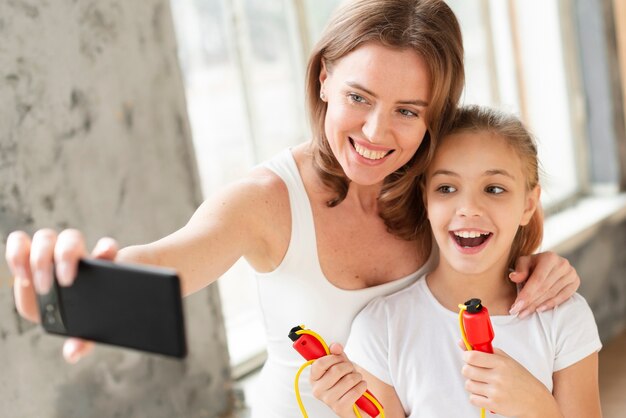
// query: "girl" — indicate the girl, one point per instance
point(482, 197)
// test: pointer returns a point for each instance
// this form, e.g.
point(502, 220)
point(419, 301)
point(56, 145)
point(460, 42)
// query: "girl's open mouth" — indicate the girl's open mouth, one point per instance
point(470, 242)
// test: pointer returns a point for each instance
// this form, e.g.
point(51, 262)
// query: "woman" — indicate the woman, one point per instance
point(331, 223)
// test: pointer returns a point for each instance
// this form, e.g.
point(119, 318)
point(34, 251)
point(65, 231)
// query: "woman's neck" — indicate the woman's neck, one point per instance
point(492, 287)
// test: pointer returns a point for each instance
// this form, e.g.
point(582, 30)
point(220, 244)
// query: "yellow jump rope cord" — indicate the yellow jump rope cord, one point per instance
point(308, 363)
point(467, 344)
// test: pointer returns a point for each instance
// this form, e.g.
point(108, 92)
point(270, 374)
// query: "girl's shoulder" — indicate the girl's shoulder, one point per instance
point(575, 304)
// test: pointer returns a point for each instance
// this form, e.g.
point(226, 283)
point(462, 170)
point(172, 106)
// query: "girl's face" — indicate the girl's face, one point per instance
point(377, 99)
point(476, 199)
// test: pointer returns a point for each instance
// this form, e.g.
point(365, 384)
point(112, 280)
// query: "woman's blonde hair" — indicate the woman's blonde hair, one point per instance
point(429, 28)
point(478, 119)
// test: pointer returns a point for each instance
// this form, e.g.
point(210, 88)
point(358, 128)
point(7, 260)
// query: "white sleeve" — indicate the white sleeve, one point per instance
point(576, 333)
point(368, 343)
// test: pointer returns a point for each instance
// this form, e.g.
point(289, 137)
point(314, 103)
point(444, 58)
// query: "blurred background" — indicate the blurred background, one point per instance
point(118, 118)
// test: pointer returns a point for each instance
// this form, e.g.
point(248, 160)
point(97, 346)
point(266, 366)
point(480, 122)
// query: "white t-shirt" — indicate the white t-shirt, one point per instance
point(409, 341)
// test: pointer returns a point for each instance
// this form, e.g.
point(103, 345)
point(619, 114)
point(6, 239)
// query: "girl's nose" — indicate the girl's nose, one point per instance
point(469, 206)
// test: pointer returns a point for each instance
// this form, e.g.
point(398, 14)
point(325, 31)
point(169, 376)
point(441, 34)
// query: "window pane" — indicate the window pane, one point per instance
point(478, 70)
point(546, 96)
point(213, 89)
point(317, 14)
point(272, 67)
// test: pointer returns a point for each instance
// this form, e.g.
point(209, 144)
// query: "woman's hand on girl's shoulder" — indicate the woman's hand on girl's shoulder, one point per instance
point(548, 279)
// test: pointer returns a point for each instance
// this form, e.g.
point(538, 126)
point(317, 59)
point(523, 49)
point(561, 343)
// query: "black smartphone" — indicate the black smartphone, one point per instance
point(138, 307)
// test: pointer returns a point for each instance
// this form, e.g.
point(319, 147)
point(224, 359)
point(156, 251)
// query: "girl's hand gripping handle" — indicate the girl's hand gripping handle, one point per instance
point(311, 346)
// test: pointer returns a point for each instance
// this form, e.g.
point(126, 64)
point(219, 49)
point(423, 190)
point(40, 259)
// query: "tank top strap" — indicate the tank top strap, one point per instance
point(302, 243)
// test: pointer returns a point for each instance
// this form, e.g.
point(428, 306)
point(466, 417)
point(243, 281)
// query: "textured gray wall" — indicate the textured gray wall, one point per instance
point(601, 264)
point(94, 135)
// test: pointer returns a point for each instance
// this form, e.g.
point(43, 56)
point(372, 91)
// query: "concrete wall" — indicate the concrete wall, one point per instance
point(601, 265)
point(94, 135)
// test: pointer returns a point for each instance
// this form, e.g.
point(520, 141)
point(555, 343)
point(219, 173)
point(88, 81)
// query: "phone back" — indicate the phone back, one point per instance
point(131, 306)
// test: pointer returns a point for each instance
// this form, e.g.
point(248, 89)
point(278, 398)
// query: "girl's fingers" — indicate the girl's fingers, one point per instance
point(477, 388)
point(480, 401)
point(323, 365)
point(354, 392)
point(477, 374)
point(480, 359)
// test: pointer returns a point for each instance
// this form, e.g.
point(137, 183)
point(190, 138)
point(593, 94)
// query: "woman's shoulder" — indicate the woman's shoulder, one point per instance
point(263, 180)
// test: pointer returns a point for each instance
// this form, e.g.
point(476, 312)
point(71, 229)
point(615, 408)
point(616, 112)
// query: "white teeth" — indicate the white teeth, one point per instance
point(369, 154)
point(470, 234)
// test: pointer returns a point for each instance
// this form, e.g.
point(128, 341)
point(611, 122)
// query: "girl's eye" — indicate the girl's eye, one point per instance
point(407, 113)
point(446, 189)
point(356, 98)
point(494, 189)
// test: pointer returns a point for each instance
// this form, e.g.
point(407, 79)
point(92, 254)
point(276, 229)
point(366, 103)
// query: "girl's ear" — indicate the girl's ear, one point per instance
point(532, 201)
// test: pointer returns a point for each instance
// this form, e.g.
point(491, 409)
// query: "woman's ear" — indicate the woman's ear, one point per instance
point(532, 201)
point(323, 75)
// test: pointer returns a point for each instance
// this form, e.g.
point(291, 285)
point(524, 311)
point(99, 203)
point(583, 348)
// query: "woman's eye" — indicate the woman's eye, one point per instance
point(356, 98)
point(446, 189)
point(407, 113)
point(495, 189)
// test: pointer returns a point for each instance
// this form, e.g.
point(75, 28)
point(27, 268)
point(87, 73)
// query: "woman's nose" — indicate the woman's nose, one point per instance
point(376, 126)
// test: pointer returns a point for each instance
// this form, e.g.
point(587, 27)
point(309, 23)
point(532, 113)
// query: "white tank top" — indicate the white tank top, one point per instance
point(298, 293)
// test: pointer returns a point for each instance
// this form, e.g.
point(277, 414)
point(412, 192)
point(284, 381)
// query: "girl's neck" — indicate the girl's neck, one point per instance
point(492, 287)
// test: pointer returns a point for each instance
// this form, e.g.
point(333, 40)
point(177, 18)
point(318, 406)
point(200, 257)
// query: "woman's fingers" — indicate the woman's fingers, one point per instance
point(25, 299)
point(18, 259)
point(70, 247)
point(17, 254)
point(562, 295)
point(41, 259)
point(566, 284)
point(352, 386)
point(549, 275)
point(74, 349)
point(106, 249)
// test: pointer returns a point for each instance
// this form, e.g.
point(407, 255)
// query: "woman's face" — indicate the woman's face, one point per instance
point(377, 99)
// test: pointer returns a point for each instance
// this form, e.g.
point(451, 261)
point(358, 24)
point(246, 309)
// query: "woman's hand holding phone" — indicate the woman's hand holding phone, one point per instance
point(31, 263)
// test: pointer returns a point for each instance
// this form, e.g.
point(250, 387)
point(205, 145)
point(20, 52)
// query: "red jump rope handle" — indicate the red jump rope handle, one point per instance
point(311, 348)
point(478, 329)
